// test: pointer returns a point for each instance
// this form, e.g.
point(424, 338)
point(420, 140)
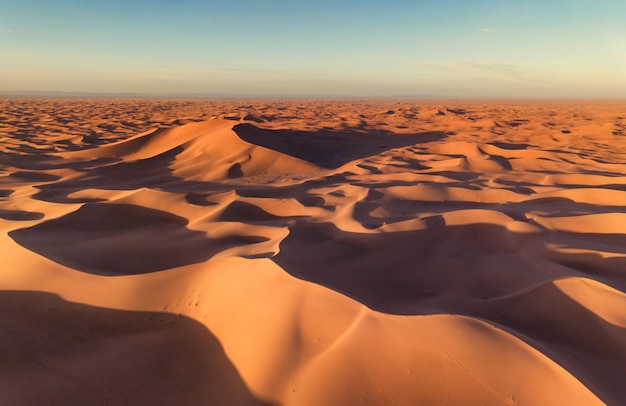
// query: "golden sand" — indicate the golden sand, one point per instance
point(312, 252)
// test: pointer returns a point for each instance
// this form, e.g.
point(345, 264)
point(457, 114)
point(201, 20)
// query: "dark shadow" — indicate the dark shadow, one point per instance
point(502, 161)
point(404, 162)
point(478, 270)
point(370, 168)
point(402, 272)
point(459, 176)
point(20, 215)
point(249, 213)
point(252, 117)
point(459, 112)
point(510, 146)
point(313, 201)
point(31, 161)
point(557, 207)
point(363, 213)
point(55, 352)
point(618, 186)
point(590, 348)
point(412, 272)
point(123, 239)
point(35, 176)
point(150, 172)
point(326, 148)
point(115, 174)
point(330, 148)
point(235, 171)
point(520, 187)
point(198, 199)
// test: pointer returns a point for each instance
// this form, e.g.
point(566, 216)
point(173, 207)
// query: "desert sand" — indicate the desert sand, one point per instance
point(312, 252)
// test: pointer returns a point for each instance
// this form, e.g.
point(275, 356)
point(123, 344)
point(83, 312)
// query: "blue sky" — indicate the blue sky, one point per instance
point(450, 48)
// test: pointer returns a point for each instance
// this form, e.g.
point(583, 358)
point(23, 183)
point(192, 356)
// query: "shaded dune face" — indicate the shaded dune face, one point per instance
point(17, 215)
point(435, 269)
point(485, 271)
point(117, 357)
point(346, 253)
point(198, 155)
point(123, 239)
point(330, 148)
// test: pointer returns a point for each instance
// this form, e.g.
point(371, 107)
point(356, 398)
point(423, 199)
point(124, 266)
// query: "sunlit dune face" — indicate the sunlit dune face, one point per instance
point(321, 252)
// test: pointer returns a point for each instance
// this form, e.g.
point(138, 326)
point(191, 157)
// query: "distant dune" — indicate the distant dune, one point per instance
point(314, 252)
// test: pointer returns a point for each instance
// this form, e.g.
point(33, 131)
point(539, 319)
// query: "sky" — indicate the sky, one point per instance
point(321, 48)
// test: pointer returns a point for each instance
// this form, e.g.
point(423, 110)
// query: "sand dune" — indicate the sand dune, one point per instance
point(312, 252)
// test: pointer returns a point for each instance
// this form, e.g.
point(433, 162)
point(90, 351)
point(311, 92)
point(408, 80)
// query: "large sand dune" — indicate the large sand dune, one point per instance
point(312, 252)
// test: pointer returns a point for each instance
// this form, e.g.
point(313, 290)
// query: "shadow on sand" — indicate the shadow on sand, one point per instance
point(57, 352)
point(331, 149)
point(123, 239)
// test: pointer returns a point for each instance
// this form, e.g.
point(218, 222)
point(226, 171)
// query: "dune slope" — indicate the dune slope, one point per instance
point(312, 252)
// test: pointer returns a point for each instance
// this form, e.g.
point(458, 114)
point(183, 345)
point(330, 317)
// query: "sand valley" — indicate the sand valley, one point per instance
point(312, 252)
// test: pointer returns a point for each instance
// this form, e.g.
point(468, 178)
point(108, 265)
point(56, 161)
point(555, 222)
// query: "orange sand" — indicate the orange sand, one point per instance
point(312, 252)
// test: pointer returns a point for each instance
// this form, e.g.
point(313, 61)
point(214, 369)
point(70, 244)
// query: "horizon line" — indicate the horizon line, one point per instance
point(123, 95)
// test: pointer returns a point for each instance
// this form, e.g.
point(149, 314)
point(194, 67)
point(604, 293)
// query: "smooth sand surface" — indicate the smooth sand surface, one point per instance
point(314, 252)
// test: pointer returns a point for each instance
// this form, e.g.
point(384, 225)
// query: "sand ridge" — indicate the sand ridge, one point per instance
point(328, 252)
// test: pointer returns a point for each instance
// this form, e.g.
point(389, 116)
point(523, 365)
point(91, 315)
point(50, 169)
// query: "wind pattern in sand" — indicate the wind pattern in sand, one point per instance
point(312, 252)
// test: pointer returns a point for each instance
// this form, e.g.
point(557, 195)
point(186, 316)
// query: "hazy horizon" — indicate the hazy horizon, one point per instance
point(447, 49)
point(244, 96)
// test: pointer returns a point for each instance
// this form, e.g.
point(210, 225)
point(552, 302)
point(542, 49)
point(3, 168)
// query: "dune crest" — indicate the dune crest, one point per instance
point(312, 252)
